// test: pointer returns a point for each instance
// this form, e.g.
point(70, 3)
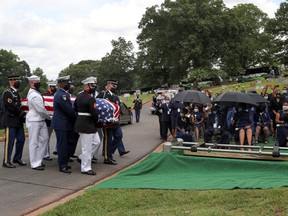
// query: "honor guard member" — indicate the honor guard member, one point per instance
point(112, 136)
point(85, 106)
point(52, 87)
point(63, 122)
point(35, 122)
point(14, 119)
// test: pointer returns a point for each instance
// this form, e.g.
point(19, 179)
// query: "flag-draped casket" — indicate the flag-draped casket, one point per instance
point(108, 112)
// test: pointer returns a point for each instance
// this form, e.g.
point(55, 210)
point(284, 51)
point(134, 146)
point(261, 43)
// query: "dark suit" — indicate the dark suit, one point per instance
point(13, 123)
point(165, 120)
point(63, 123)
point(216, 125)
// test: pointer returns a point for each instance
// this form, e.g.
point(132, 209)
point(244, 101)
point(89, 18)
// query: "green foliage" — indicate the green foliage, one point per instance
point(118, 64)
point(178, 36)
point(10, 64)
point(81, 71)
point(279, 28)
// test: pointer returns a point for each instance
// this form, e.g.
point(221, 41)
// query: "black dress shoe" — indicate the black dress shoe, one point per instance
point(65, 170)
point(8, 165)
point(123, 153)
point(70, 160)
point(42, 164)
point(55, 152)
point(47, 158)
point(111, 162)
point(40, 168)
point(78, 160)
point(90, 172)
point(94, 160)
point(68, 166)
point(73, 156)
point(20, 162)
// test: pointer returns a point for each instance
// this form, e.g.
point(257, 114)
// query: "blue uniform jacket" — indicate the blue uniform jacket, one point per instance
point(64, 115)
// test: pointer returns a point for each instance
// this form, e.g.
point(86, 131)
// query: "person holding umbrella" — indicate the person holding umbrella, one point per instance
point(244, 122)
point(262, 123)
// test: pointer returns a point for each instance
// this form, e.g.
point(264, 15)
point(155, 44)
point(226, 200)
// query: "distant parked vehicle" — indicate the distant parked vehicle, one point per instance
point(126, 116)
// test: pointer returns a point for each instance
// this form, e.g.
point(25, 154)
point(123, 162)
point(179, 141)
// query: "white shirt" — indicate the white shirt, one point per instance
point(37, 111)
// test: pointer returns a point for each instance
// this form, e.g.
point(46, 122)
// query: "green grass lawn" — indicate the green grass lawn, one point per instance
point(142, 202)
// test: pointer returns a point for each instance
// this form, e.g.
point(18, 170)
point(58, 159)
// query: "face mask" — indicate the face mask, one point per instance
point(214, 112)
point(266, 98)
point(181, 114)
point(285, 108)
point(209, 112)
point(17, 84)
point(240, 109)
point(92, 90)
point(196, 110)
point(67, 86)
point(284, 91)
point(37, 85)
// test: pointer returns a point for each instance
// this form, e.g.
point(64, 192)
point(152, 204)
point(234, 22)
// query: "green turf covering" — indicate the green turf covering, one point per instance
point(173, 171)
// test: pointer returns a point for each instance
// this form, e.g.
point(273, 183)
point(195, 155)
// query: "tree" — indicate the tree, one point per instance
point(118, 65)
point(81, 71)
point(178, 36)
point(10, 64)
point(245, 41)
point(279, 28)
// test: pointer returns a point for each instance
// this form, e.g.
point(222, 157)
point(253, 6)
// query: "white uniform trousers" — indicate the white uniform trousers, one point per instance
point(47, 150)
point(38, 141)
point(88, 142)
point(96, 144)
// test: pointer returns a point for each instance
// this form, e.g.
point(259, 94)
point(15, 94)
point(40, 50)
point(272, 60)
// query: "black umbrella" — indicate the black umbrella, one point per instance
point(192, 96)
point(258, 98)
point(235, 97)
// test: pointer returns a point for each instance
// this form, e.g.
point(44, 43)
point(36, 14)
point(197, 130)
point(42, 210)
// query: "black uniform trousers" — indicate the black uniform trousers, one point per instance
point(111, 139)
point(63, 148)
point(12, 133)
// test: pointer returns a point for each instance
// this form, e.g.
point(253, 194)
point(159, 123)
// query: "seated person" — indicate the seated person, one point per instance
point(262, 122)
point(216, 125)
point(184, 126)
point(229, 119)
point(198, 120)
point(281, 120)
point(244, 123)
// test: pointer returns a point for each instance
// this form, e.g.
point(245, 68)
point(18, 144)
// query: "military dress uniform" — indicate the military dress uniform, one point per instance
point(52, 86)
point(14, 119)
point(63, 123)
point(85, 125)
point(111, 136)
point(37, 128)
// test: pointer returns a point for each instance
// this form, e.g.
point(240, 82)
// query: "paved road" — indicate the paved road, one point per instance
point(24, 190)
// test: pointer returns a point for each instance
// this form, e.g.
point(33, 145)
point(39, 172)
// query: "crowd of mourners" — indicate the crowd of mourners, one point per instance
point(239, 123)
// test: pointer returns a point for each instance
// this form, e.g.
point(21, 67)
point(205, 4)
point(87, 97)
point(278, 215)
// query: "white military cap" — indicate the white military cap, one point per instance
point(33, 78)
point(52, 83)
point(90, 80)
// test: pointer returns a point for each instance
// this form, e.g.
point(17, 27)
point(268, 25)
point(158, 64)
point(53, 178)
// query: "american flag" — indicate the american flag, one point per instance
point(108, 112)
point(48, 101)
